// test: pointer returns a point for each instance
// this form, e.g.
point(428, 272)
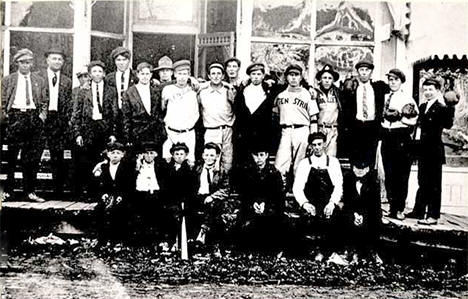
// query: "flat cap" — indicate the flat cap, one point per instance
point(366, 63)
point(120, 51)
point(112, 146)
point(182, 65)
point(54, 50)
point(328, 68)
point(82, 71)
point(96, 63)
point(432, 81)
point(143, 65)
point(149, 147)
point(179, 146)
point(396, 73)
point(316, 135)
point(215, 65)
point(164, 63)
point(23, 54)
point(232, 59)
point(257, 66)
point(293, 67)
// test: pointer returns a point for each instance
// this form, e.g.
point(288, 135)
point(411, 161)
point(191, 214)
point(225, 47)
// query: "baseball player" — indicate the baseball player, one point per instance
point(297, 113)
point(180, 104)
point(217, 113)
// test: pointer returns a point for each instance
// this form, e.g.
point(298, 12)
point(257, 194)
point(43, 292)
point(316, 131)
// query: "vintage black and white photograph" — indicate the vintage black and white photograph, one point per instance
point(233, 149)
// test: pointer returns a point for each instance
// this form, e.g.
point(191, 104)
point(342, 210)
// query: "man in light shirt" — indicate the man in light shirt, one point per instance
point(24, 109)
point(180, 105)
point(216, 107)
point(318, 188)
point(142, 114)
point(56, 130)
point(399, 117)
point(298, 118)
point(363, 102)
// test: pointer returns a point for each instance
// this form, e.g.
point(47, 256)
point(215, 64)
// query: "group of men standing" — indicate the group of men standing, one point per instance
point(240, 118)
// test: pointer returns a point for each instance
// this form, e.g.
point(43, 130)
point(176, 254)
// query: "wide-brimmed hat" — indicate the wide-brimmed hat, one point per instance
point(164, 63)
point(328, 68)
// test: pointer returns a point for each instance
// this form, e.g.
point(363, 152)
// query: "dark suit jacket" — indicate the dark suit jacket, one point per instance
point(123, 184)
point(39, 95)
point(438, 117)
point(349, 99)
point(219, 188)
point(83, 113)
point(254, 127)
point(62, 124)
point(367, 203)
point(139, 126)
point(178, 185)
point(111, 80)
point(265, 186)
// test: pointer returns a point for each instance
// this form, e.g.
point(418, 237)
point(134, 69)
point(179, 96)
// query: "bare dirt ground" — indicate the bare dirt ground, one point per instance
point(119, 272)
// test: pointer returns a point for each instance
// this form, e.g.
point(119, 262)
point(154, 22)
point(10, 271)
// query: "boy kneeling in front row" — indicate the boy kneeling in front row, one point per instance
point(212, 189)
point(262, 198)
point(178, 190)
point(146, 206)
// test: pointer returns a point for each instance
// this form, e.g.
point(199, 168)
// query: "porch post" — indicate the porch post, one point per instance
point(82, 36)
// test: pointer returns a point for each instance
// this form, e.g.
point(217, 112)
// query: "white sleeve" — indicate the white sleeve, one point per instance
point(336, 176)
point(302, 173)
point(313, 107)
point(165, 97)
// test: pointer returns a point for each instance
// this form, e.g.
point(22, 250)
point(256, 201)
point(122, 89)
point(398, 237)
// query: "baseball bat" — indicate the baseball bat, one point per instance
point(183, 237)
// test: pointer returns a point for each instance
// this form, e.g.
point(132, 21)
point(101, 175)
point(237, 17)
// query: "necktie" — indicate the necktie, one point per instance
point(387, 103)
point(54, 79)
point(365, 109)
point(122, 88)
point(98, 99)
point(208, 178)
point(28, 96)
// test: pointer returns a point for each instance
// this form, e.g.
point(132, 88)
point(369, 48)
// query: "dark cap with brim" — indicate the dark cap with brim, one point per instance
point(364, 63)
point(255, 67)
point(397, 73)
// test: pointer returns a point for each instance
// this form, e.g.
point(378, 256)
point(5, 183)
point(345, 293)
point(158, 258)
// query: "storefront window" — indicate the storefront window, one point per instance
point(43, 14)
point(345, 21)
point(101, 47)
point(151, 47)
point(277, 56)
point(280, 19)
point(343, 58)
point(108, 16)
point(39, 44)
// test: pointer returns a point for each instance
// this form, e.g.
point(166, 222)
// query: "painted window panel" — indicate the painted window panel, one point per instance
point(43, 14)
point(277, 57)
point(343, 58)
point(278, 18)
point(345, 21)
